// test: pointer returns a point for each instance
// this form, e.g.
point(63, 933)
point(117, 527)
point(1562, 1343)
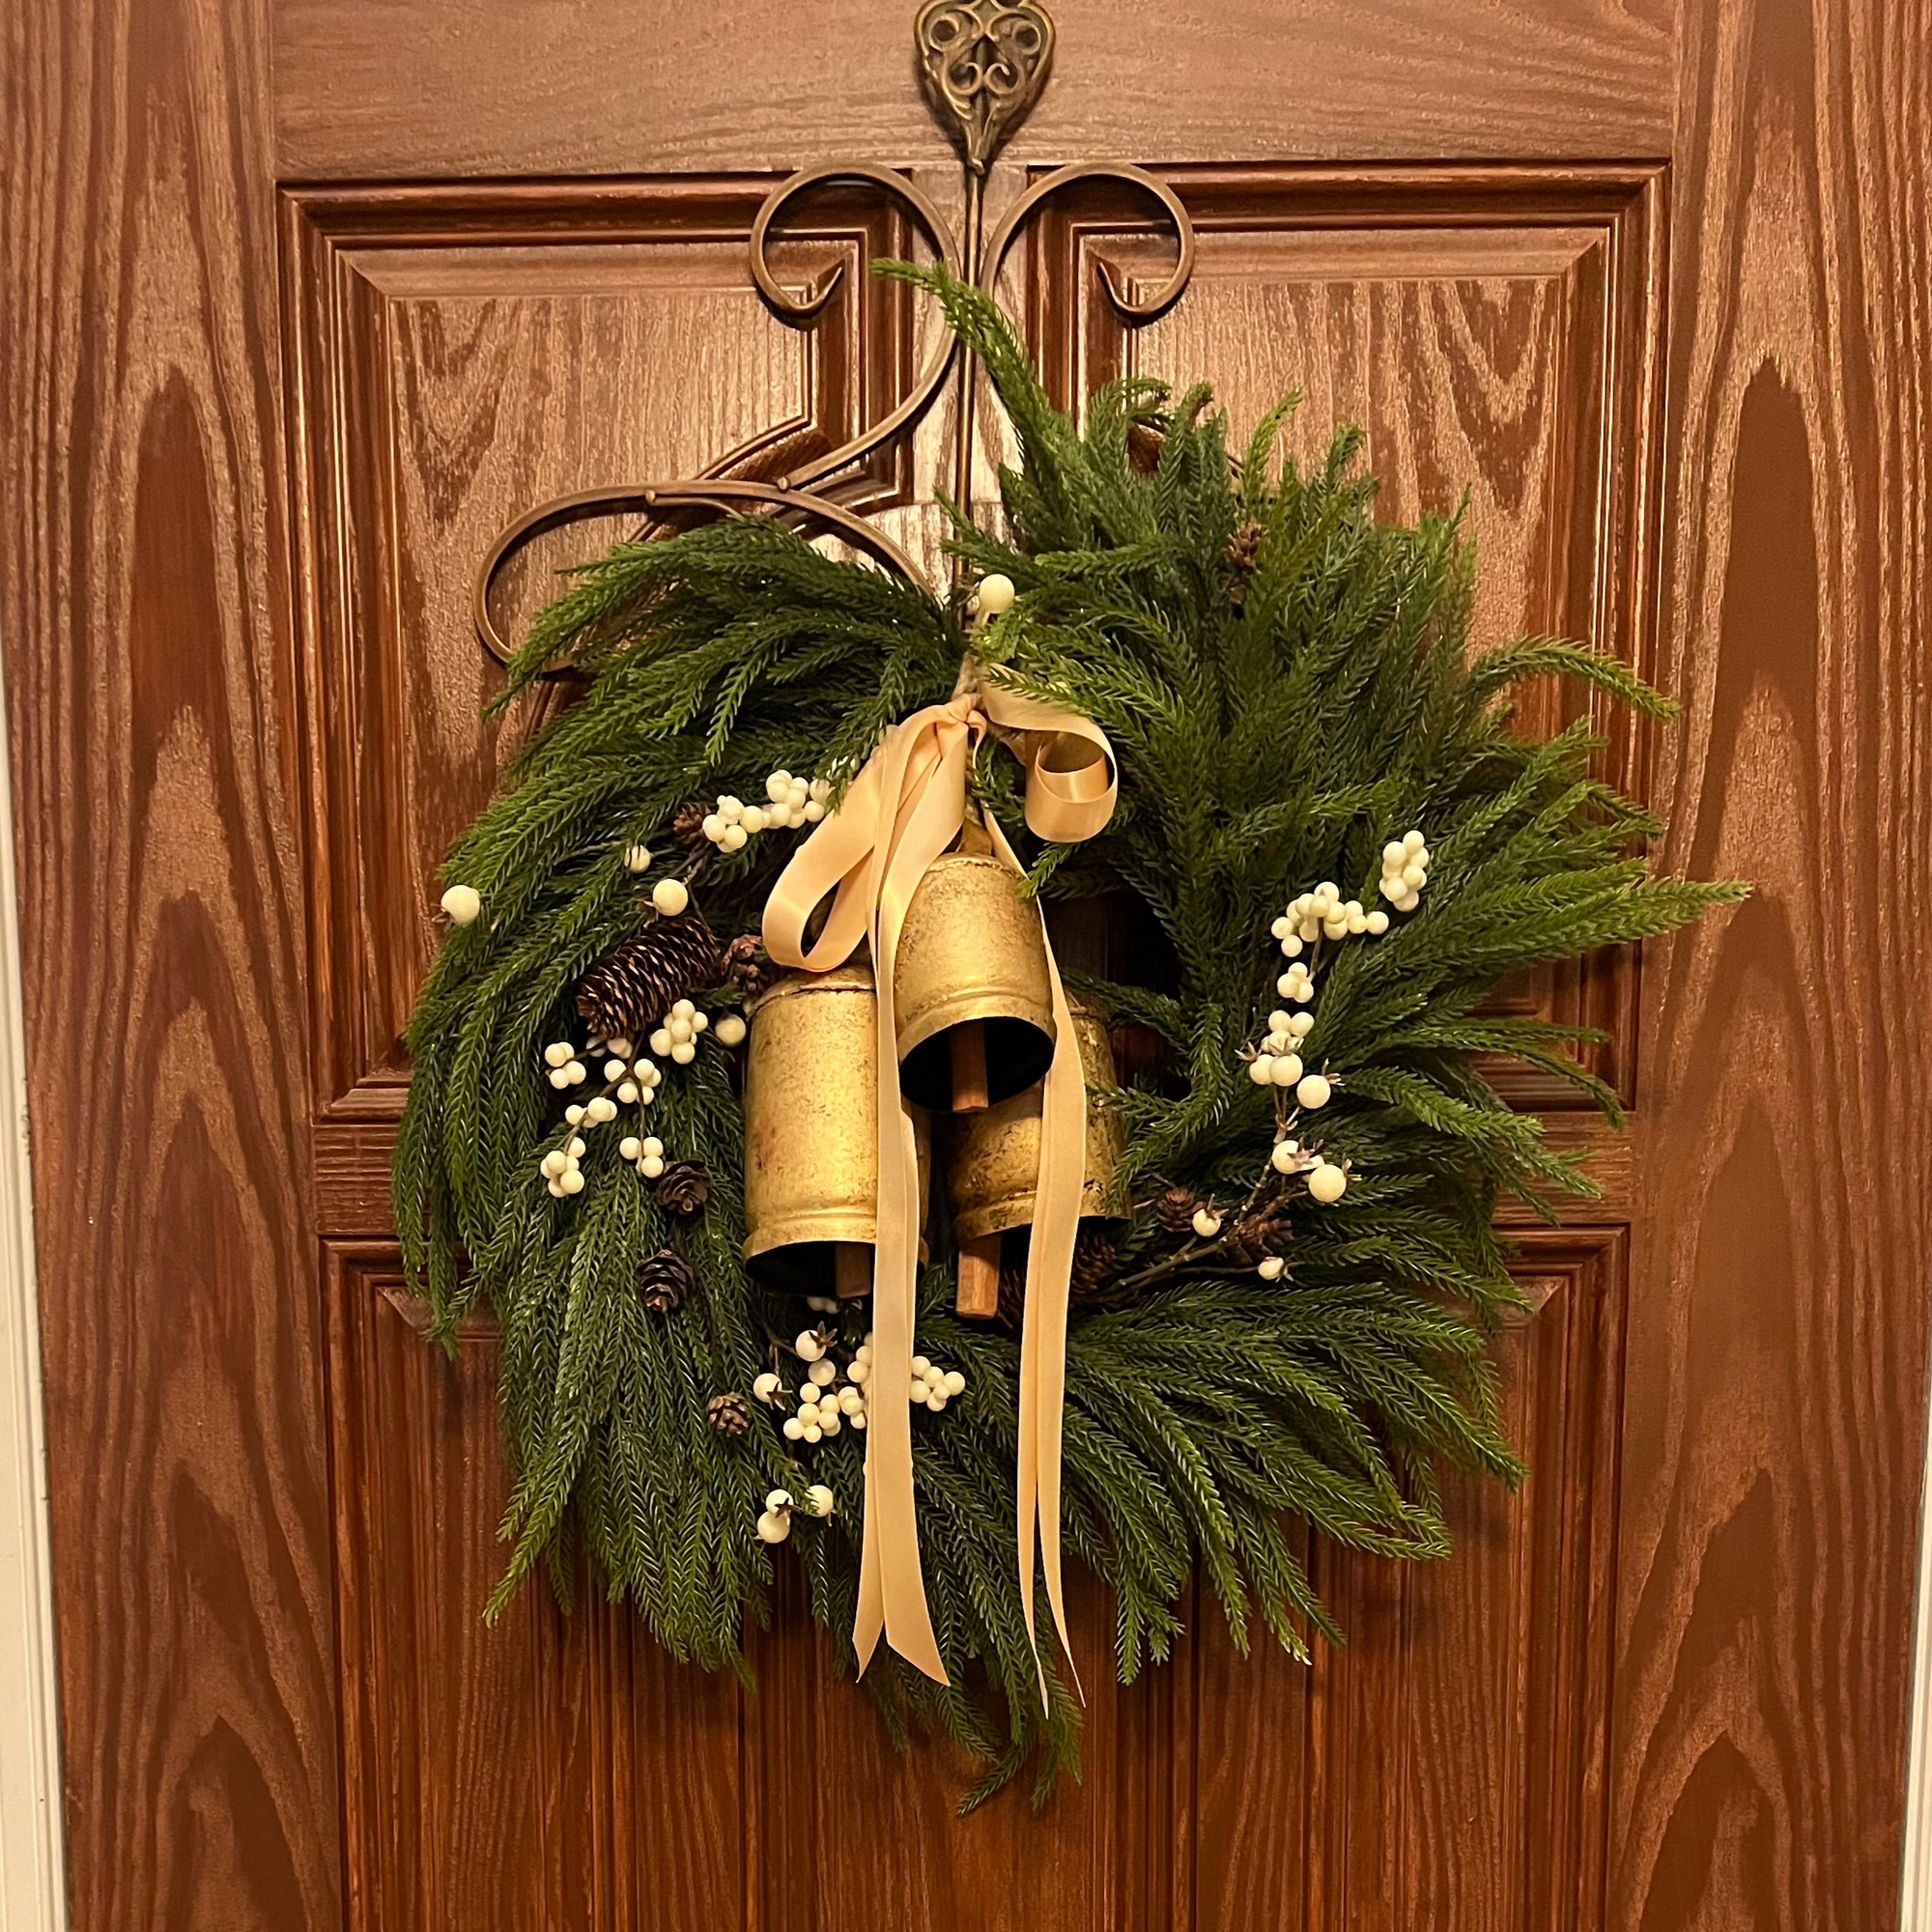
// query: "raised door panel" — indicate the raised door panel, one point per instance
point(1491, 331)
point(1446, 1767)
point(458, 357)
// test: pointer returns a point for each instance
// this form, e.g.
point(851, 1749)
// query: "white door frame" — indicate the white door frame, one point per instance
point(33, 1881)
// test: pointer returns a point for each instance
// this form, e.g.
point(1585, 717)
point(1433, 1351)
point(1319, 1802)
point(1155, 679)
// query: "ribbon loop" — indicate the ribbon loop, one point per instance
point(903, 811)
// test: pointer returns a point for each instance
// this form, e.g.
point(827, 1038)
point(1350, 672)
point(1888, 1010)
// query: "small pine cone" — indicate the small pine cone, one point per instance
point(684, 1187)
point(1252, 1236)
point(1092, 1257)
point(1013, 1296)
point(687, 825)
point(1093, 1261)
point(663, 1282)
point(1245, 545)
point(728, 1413)
point(1175, 1210)
point(628, 993)
point(746, 965)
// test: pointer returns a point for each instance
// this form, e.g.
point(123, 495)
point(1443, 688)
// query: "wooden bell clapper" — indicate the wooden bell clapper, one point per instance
point(977, 1292)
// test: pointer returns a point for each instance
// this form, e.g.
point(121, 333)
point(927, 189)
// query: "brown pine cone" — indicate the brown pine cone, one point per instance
point(1243, 548)
point(684, 1187)
point(1174, 1211)
point(1092, 1260)
point(627, 994)
point(1012, 1293)
point(1092, 1257)
point(1252, 1235)
point(1245, 545)
point(728, 1413)
point(687, 825)
point(746, 965)
point(664, 1281)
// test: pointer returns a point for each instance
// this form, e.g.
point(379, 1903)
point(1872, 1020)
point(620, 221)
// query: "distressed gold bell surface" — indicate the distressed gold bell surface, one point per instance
point(972, 950)
point(993, 1159)
point(811, 1153)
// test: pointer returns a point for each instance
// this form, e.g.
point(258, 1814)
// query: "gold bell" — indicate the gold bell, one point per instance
point(993, 1166)
point(811, 1147)
point(972, 996)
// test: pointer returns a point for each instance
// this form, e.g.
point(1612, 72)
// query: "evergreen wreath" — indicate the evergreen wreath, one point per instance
point(1275, 1335)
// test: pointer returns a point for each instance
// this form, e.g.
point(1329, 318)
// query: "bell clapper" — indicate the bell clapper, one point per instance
point(968, 1045)
point(852, 1269)
point(979, 1294)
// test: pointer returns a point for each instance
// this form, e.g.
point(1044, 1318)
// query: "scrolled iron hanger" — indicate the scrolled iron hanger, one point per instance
point(983, 63)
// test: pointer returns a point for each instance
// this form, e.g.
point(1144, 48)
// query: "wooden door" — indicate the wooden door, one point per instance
point(303, 297)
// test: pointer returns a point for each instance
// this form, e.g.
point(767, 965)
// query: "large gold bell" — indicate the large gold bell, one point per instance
point(972, 975)
point(993, 1166)
point(811, 1147)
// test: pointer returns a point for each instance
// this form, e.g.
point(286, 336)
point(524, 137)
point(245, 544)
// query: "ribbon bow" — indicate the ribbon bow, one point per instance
point(900, 813)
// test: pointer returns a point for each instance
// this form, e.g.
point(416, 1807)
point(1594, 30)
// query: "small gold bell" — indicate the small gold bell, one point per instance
point(811, 1151)
point(971, 979)
point(993, 1166)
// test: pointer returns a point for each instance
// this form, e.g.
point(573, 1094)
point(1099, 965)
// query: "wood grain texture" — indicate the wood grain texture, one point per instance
point(551, 1770)
point(1777, 1348)
point(1496, 336)
point(455, 358)
point(1447, 1768)
point(150, 699)
point(441, 87)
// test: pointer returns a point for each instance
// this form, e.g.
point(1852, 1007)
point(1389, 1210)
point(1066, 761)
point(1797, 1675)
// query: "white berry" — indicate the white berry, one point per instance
point(1206, 1223)
point(773, 1527)
point(1313, 1091)
point(819, 1497)
point(1328, 1184)
point(995, 595)
point(1261, 1070)
point(763, 1386)
point(630, 1147)
point(1273, 1268)
point(808, 1346)
point(613, 1069)
point(955, 1383)
point(638, 859)
point(464, 906)
point(1286, 1070)
point(794, 1429)
point(1286, 1157)
point(572, 1180)
point(559, 1053)
point(683, 1052)
point(554, 1164)
point(823, 1372)
point(729, 1030)
point(670, 896)
point(572, 1112)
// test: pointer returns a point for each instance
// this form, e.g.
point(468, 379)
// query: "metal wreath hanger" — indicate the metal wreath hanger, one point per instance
point(983, 63)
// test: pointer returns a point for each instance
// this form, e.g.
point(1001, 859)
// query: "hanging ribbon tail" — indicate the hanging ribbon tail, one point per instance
point(1070, 791)
point(901, 811)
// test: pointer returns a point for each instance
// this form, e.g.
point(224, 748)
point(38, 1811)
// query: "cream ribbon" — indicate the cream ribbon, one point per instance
point(903, 809)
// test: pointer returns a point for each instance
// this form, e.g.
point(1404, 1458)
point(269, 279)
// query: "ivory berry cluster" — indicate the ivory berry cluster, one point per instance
point(789, 802)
